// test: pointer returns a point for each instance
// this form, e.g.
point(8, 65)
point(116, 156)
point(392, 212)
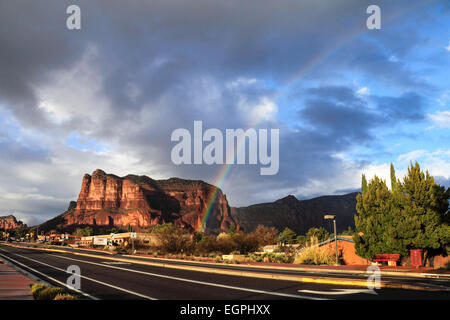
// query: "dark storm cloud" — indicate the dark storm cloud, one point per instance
point(409, 106)
point(218, 38)
point(339, 115)
point(339, 121)
point(163, 64)
point(162, 44)
point(32, 45)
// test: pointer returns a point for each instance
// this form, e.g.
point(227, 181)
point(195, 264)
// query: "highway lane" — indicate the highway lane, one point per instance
point(106, 279)
point(306, 273)
point(154, 282)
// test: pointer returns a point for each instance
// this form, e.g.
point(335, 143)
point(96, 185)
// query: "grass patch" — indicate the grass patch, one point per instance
point(313, 254)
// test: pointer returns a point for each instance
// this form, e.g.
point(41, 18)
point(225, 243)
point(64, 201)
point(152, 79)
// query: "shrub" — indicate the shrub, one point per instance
point(37, 288)
point(315, 254)
point(224, 245)
point(61, 296)
point(245, 243)
point(120, 250)
point(174, 239)
point(50, 293)
point(271, 257)
point(278, 257)
point(255, 257)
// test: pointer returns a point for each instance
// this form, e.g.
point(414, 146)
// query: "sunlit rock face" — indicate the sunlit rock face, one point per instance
point(9, 222)
point(141, 202)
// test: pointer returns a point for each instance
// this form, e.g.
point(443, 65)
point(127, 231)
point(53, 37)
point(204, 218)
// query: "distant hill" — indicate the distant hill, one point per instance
point(299, 215)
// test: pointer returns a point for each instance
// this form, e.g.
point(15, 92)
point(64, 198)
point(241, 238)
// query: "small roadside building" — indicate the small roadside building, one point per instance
point(346, 250)
point(144, 239)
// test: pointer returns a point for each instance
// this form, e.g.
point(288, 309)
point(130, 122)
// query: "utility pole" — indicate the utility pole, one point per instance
point(132, 237)
point(333, 217)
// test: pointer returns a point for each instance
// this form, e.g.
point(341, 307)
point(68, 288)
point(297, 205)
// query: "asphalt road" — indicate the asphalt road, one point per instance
point(113, 280)
point(444, 281)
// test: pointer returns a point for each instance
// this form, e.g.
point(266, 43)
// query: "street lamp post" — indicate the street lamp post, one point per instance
point(333, 217)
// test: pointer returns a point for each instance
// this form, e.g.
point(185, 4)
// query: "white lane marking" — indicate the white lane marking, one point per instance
point(435, 275)
point(115, 262)
point(90, 279)
point(339, 291)
point(197, 282)
point(48, 277)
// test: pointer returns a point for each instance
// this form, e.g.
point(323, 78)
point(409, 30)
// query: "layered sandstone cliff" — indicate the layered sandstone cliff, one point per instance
point(9, 222)
point(141, 202)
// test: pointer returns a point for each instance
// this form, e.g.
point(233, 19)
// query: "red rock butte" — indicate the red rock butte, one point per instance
point(9, 222)
point(141, 202)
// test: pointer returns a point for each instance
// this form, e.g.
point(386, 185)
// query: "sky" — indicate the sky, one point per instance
point(347, 100)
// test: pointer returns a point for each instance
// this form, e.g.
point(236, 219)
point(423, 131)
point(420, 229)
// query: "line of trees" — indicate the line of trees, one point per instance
point(177, 240)
point(412, 214)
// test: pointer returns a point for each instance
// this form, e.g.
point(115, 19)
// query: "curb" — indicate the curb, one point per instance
point(327, 280)
point(25, 273)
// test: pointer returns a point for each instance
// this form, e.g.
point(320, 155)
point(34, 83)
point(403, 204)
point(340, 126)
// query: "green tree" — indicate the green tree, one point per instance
point(245, 243)
point(20, 232)
point(301, 239)
point(413, 215)
point(373, 217)
point(363, 184)
point(348, 232)
point(287, 236)
point(425, 222)
point(87, 232)
point(393, 178)
point(320, 233)
point(198, 236)
point(174, 239)
point(159, 228)
point(266, 235)
point(231, 229)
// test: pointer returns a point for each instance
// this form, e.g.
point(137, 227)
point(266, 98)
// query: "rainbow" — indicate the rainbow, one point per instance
point(220, 179)
point(306, 69)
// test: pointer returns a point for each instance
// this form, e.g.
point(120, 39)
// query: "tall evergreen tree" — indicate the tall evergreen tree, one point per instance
point(373, 219)
point(393, 178)
point(363, 184)
point(425, 222)
point(414, 215)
